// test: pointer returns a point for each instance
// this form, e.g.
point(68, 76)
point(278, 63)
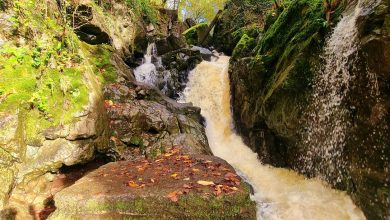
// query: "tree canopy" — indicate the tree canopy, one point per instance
point(199, 10)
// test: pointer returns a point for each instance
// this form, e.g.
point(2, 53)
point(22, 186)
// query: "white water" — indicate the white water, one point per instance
point(328, 117)
point(147, 72)
point(152, 72)
point(279, 193)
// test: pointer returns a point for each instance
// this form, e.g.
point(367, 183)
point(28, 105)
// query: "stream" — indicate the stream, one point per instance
point(279, 193)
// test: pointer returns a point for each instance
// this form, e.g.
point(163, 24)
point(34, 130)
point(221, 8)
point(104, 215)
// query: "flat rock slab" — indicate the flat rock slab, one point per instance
point(172, 186)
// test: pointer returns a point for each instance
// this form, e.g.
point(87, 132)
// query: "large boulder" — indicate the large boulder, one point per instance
point(173, 186)
point(170, 43)
point(142, 118)
point(194, 35)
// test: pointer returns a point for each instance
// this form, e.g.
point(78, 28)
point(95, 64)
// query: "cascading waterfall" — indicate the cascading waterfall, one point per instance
point(147, 72)
point(328, 123)
point(279, 193)
point(152, 71)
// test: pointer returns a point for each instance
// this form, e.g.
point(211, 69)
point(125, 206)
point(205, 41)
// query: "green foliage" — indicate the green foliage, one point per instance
point(144, 9)
point(200, 11)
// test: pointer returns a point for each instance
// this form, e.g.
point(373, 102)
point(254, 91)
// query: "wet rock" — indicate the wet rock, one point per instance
point(150, 28)
point(189, 186)
point(173, 74)
point(141, 117)
point(170, 43)
point(204, 52)
point(271, 115)
point(92, 34)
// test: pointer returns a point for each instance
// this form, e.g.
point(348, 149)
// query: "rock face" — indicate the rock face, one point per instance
point(95, 26)
point(232, 25)
point(44, 127)
point(175, 186)
point(272, 86)
point(70, 144)
point(142, 118)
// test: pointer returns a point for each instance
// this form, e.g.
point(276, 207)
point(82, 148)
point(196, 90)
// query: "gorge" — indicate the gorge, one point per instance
point(127, 110)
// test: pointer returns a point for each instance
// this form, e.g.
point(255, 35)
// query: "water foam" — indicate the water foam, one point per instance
point(279, 193)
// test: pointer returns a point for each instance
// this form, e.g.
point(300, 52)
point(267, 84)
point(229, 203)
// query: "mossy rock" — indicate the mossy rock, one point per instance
point(121, 190)
point(244, 47)
point(238, 18)
point(195, 34)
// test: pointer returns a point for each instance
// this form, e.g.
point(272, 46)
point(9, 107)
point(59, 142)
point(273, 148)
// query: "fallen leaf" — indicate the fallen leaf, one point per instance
point(195, 170)
point(218, 190)
point(173, 196)
point(168, 154)
point(174, 175)
point(132, 184)
point(205, 183)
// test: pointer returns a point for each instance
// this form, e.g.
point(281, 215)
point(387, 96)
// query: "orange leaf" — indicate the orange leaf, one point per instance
point(218, 190)
point(168, 154)
point(132, 184)
point(173, 196)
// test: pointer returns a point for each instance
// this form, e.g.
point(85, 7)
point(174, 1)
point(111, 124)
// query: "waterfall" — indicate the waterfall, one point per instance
point(147, 72)
point(327, 124)
point(154, 73)
point(279, 193)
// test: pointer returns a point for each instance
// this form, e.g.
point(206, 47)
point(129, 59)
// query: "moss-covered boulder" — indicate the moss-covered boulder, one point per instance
point(173, 186)
point(195, 34)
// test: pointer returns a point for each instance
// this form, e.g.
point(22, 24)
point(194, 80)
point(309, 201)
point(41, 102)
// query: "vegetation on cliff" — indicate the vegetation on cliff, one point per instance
point(275, 71)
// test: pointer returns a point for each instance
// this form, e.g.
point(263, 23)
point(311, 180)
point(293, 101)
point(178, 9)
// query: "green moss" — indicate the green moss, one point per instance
point(144, 9)
point(278, 71)
point(101, 61)
point(251, 30)
point(238, 18)
point(190, 206)
point(194, 34)
point(46, 77)
point(299, 25)
point(244, 47)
